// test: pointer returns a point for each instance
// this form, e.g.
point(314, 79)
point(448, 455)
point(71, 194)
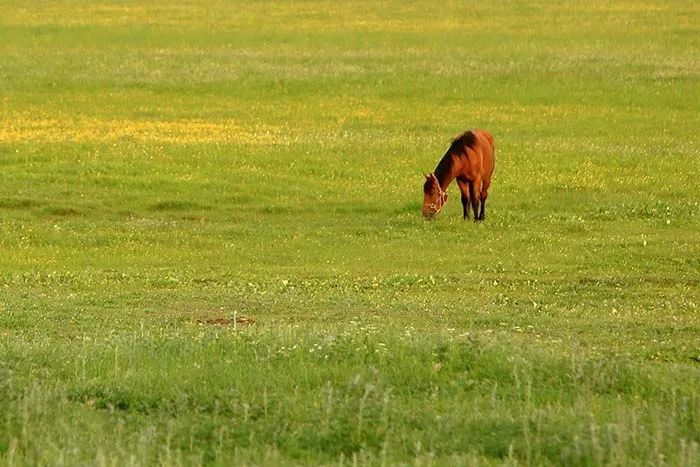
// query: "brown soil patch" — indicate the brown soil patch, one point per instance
point(241, 321)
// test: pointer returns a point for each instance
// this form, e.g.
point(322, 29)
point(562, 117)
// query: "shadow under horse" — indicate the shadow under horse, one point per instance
point(470, 160)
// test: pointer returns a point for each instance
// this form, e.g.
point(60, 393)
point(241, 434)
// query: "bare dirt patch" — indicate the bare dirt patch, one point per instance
point(240, 321)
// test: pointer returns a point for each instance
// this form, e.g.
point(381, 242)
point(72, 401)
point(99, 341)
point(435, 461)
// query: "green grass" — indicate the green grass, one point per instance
point(166, 166)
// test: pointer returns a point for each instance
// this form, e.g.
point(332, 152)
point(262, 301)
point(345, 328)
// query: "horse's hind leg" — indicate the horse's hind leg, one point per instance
point(483, 195)
point(464, 189)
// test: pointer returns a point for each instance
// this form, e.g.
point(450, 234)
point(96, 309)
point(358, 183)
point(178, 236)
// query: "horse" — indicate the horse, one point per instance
point(470, 159)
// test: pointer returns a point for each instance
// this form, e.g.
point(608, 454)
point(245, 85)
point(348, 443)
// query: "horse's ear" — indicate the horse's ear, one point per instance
point(426, 175)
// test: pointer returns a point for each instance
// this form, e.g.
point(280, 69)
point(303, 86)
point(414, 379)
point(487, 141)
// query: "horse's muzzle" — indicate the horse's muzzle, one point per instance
point(429, 215)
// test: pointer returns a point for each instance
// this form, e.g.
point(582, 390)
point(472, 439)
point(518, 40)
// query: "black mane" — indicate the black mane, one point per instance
point(458, 147)
point(461, 142)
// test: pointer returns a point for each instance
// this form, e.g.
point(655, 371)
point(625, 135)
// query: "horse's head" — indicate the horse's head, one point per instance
point(434, 198)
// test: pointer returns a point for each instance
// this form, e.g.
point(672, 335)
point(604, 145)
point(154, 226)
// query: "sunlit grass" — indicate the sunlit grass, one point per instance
point(18, 129)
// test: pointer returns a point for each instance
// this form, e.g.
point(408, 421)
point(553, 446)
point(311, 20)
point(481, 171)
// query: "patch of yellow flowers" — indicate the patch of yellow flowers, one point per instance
point(24, 128)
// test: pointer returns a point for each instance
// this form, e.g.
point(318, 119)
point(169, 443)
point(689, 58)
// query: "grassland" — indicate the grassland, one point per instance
point(165, 168)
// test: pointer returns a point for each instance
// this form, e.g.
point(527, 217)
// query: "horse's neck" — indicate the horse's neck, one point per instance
point(444, 172)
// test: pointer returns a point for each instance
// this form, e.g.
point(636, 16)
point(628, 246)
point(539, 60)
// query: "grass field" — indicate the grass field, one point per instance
point(168, 169)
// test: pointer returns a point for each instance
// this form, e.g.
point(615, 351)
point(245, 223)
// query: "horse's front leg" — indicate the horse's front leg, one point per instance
point(464, 189)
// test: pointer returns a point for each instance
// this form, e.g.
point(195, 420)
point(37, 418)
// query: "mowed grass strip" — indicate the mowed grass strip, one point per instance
point(211, 249)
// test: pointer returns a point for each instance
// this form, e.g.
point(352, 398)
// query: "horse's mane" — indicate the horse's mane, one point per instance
point(461, 142)
point(458, 147)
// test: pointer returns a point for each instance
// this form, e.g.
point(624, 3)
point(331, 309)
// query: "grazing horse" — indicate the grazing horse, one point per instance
point(470, 159)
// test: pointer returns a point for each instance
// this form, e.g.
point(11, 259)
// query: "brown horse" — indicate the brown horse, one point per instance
point(470, 159)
